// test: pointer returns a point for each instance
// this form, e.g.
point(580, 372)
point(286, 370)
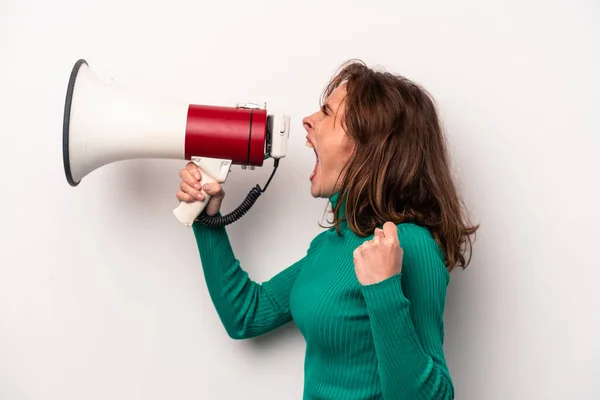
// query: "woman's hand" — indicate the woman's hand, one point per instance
point(380, 258)
point(189, 189)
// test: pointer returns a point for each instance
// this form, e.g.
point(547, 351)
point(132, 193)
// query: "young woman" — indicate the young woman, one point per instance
point(369, 295)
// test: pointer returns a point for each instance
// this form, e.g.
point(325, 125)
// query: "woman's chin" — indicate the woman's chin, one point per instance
point(319, 187)
point(314, 191)
point(319, 193)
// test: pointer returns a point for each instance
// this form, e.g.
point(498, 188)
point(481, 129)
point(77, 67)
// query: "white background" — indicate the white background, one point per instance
point(101, 290)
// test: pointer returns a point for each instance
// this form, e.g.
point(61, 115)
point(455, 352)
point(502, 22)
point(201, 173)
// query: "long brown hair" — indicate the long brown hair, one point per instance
point(400, 171)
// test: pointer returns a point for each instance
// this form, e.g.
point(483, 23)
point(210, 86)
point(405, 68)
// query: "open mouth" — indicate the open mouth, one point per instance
point(311, 145)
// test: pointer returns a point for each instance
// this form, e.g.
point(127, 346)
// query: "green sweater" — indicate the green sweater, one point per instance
point(381, 341)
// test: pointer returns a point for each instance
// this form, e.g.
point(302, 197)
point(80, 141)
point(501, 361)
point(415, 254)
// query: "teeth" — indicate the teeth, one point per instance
point(309, 144)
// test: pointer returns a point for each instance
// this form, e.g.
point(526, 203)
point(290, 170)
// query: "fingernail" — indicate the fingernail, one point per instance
point(197, 175)
point(200, 196)
point(197, 186)
point(208, 186)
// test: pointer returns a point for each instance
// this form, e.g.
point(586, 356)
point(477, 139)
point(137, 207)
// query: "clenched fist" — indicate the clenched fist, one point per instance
point(190, 190)
point(380, 258)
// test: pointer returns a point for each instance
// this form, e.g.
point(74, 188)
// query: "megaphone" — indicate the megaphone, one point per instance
point(103, 124)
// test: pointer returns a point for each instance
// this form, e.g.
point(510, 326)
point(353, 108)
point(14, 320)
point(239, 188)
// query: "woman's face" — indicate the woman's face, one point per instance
point(333, 147)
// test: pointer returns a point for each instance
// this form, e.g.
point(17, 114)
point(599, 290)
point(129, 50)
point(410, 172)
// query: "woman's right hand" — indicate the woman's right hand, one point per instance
point(189, 189)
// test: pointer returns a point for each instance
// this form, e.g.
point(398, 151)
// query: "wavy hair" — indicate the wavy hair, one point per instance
point(400, 170)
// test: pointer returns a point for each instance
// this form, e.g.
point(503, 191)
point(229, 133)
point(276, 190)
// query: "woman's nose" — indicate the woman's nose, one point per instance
point(307, 123)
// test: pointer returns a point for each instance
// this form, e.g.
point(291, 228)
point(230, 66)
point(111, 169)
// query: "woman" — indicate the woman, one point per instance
point(369, 294)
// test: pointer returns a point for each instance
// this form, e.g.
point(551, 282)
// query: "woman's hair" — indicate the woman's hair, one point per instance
point(400, 171)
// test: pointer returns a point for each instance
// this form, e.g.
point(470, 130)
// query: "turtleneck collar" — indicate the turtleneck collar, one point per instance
point(334, 200)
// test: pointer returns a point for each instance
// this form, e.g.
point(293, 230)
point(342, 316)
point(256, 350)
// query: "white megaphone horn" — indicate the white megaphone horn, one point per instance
point(103, 125)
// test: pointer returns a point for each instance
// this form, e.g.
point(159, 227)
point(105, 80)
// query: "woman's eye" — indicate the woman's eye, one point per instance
point(324, 110)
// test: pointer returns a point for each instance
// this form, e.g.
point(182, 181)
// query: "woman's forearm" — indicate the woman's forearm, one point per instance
point(246, 308)
point(406, 316)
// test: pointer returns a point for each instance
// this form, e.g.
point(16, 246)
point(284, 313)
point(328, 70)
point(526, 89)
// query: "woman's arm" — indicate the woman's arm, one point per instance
point(246, 308)
point(406, 314)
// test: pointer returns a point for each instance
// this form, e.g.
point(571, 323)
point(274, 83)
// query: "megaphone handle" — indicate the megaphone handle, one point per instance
point(186, 213)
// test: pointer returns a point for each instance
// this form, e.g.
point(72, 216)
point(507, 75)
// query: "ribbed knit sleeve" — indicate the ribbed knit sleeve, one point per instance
point(245, 307)
point(406, 316)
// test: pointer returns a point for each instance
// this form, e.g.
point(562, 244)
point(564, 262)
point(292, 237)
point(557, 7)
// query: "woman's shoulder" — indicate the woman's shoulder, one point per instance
point(412, 231)
point(418, 243)
point(316, 243)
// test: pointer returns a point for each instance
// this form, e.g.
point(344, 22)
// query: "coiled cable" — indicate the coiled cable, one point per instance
point(217, 221)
